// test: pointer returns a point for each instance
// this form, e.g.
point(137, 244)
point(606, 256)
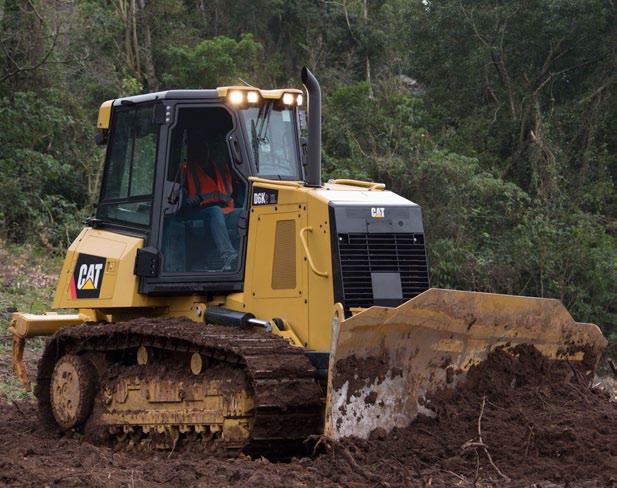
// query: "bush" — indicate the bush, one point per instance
point(43, 192)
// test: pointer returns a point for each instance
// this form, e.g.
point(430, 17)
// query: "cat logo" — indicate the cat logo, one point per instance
point(87, 277)
point(378, 212)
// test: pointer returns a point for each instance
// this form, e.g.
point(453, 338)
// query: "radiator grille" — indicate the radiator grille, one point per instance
point(363, 254)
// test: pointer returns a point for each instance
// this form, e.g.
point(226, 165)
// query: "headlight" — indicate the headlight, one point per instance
point(252, 97)
point(288, 98)
point(236, 97)
point(299, 99)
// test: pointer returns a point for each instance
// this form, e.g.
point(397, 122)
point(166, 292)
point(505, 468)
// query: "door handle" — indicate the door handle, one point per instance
point(309, 258)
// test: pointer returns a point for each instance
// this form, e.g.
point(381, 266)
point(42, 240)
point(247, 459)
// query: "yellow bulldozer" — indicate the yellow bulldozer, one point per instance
point(226, 295)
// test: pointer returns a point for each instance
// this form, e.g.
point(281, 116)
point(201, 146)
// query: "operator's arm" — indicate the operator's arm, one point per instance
point(193, 201)
point(188, 200)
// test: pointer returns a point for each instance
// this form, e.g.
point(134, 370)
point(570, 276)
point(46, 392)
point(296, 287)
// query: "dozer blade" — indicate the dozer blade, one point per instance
point(385, 361)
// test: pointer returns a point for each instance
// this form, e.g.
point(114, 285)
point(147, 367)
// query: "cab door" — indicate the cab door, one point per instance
point(186, 242)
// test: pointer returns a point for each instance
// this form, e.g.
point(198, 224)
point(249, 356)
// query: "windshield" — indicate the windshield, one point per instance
point(273, 140)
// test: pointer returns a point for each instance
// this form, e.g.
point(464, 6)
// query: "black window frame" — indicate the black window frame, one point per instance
point(131, 227)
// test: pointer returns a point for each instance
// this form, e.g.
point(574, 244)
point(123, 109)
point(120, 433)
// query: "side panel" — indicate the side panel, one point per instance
point(279, 282)
point(98, 272)
point(275, 284)
point(321, 300)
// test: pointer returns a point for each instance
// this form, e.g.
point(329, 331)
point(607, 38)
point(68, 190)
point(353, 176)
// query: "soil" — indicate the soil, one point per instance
point(516, 421)
point(371, 367)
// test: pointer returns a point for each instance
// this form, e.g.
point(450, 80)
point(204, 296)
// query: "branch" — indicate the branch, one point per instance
point(470, 21)
point(346, 12)
point(38, 15)
point(480, 443)
point(613, 366)
point(497, 52)
point(599, 90)
point(565, 70)
point(42, 61)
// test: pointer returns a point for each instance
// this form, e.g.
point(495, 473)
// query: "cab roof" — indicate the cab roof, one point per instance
point(209, 94)
point(218, 92)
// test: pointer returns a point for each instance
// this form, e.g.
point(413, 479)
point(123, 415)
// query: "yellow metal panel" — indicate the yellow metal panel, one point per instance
point(308, 308)
point(104, 115)
point(266, 252)
point(321, 288)
point(119, 290)
point(259, 297)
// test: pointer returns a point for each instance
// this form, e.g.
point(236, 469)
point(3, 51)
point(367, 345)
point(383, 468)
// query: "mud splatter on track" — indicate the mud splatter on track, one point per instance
point(542, 425)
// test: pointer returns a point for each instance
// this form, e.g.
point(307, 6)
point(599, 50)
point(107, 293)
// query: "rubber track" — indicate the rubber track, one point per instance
point(288, 400)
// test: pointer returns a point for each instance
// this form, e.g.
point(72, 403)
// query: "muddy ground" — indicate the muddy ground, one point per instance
point(541, 425)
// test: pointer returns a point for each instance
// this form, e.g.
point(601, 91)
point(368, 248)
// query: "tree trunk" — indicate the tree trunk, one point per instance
point(367, 60)
point(150, 73)
point(135, 41)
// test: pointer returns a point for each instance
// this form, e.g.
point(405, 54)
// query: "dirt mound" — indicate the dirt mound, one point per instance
point(520, 418)
point(516, 421)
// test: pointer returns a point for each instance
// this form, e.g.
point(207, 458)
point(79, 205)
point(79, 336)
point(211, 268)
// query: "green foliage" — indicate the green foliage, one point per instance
point(570, 256)
point(42, 190)
point(211, 62)
point(496, 116)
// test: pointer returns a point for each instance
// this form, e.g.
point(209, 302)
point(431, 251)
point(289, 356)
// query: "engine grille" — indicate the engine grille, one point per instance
point(363, 254)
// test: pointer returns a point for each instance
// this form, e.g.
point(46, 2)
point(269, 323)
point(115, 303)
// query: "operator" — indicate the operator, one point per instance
point(208, 195)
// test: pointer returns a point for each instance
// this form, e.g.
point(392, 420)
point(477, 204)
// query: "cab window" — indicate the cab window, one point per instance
point(204, 196)
point(271, 131)
point(126, 195)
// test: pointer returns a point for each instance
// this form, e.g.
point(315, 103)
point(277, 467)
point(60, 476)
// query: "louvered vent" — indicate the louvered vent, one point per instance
point(284, 261)
point(363, 254)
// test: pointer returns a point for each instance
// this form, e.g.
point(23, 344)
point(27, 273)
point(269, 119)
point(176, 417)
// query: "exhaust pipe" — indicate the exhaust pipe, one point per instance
point(313, 168)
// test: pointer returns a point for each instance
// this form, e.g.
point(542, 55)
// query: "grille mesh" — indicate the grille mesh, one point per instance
point(363, 254)
point(284, 262)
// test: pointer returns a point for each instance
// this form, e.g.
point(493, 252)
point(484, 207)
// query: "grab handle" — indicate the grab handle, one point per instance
point(362, 184)
point(303, 231)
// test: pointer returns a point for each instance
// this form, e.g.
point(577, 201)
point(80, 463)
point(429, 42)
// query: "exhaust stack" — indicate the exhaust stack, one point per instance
point(313, 169)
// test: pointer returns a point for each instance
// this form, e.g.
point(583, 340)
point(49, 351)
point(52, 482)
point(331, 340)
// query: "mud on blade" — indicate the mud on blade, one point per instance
point(385, 360)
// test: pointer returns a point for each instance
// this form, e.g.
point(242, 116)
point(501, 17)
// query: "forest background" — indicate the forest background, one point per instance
point(498, 117)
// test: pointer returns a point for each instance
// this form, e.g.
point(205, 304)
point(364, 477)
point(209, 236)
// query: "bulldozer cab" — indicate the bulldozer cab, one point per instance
point(177, 173)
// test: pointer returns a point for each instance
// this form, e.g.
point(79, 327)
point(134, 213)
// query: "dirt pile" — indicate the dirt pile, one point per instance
point(538, 420)
point(516, 421)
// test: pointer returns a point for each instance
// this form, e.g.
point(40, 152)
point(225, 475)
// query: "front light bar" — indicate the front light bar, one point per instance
point(246, 95)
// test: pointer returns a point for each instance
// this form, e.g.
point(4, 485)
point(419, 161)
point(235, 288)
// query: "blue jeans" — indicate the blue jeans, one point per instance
point(222, 227)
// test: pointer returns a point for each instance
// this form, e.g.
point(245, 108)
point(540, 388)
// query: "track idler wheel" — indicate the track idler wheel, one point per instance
point(73, 387)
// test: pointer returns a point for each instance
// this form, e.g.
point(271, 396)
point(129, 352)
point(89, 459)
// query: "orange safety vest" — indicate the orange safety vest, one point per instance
point(198, 182)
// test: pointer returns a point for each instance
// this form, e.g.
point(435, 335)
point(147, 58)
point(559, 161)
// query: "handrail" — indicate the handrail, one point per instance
point(258, 180)
point(363, 184)
point(303, 231)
